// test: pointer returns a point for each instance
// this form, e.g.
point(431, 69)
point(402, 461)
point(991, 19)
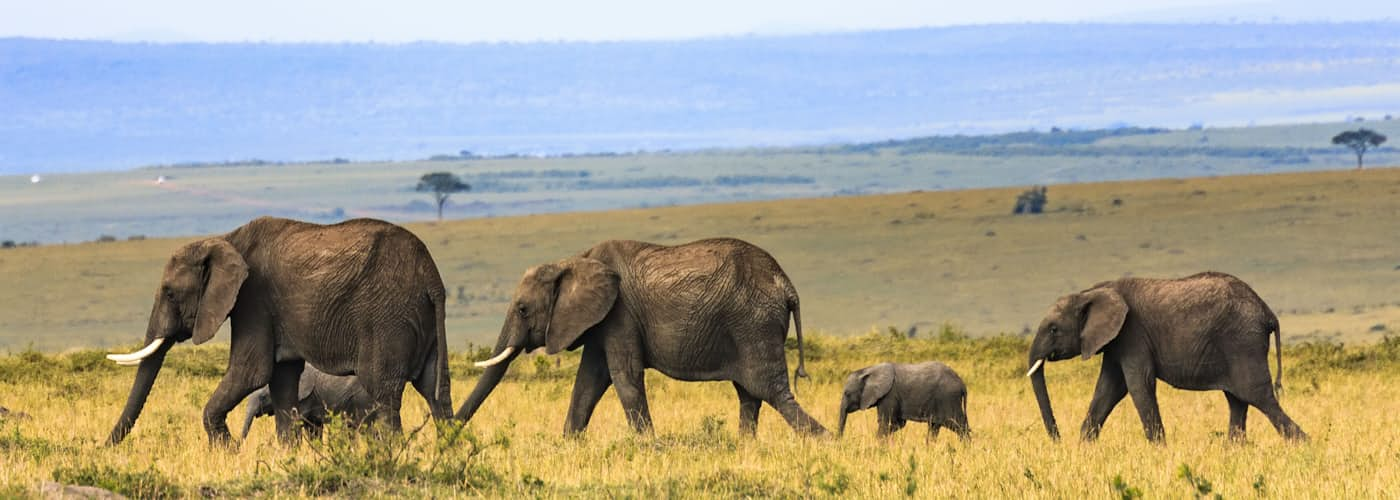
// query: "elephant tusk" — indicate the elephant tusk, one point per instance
point(1035, 366)
point(129, 363)
point(499, 357)
point(136, 357)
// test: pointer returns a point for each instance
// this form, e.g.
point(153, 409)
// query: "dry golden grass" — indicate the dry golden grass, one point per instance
point(1346, 400)
point(1320, 248)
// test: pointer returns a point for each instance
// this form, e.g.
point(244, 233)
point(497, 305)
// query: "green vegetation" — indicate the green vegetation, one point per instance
point(514, 447)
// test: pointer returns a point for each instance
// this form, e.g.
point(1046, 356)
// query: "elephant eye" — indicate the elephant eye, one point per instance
point(520, 309)
point(1054, 329)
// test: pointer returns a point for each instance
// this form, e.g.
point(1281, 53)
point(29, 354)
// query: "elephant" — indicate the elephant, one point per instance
point(713, 309)
point(1207, 331)
point(318, 395)
point(360, 297)
point(924, 392)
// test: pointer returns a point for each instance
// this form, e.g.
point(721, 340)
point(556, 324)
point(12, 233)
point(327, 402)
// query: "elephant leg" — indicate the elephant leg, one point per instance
point(388, 397)
point(1109, 391)
point(1142, 385)
point(1266, 402)
point(1239, 411)
point(1251, 384)
point(959, 425)
point(426, 384)
point(591, 382)
point(793, 413)
point(283, 387)
point(749, 405)
point(629, 379)
point(250, 367)
point(933, 428)
point(885, 420)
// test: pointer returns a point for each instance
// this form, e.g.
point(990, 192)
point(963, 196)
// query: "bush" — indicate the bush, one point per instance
point(1030, 201)
point(149, 483)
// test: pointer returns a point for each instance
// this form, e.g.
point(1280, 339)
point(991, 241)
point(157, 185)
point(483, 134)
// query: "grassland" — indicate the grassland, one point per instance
point(1320, 248)
point(215, 198)
point(1345, 398)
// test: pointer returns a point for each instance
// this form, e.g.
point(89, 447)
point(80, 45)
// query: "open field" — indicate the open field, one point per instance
point(215, 198)
point(1345, 398)
point(1323, 249)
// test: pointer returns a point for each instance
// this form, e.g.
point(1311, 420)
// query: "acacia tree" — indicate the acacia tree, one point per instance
point(1359, 140)
point(442, 185)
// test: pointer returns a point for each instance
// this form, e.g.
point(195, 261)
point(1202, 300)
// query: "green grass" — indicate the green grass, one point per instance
point(1344, 396)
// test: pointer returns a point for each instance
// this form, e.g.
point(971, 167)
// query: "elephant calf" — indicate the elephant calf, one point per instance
point(924, 392)
point(318, 395)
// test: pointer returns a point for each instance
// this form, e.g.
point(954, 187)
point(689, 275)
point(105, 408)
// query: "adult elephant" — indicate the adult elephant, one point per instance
point(360, 297)
point(1208, 331)
point(714, 309)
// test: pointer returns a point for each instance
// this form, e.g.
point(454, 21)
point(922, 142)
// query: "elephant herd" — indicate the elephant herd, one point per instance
point(337, 318)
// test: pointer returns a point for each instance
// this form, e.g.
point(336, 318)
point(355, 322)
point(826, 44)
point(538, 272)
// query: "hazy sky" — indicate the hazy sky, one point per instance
point(525, 20)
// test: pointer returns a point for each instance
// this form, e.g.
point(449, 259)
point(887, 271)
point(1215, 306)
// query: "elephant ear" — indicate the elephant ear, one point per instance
point(584, 293)
point(878, 381)
point(1104, 311)
point(224, 271)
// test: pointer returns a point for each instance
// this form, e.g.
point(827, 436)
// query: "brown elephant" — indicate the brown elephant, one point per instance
point(1208, 331)
point(714, 309)
point(361, 297)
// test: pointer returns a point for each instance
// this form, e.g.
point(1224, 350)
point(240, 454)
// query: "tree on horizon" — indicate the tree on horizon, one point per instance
point(442, 185)
point(1359, 140)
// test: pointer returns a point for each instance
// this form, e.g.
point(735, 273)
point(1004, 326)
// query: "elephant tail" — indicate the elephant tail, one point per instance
point(1278, 358)
point(441, 388)
point(795, 307)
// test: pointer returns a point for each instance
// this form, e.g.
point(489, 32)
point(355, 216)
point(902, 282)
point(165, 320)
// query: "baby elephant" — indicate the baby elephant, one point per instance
point(925, 392)
point(318, 394)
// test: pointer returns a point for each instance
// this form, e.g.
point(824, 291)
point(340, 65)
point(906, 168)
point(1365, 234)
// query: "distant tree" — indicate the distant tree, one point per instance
point(1359, 140)
point(442, 185)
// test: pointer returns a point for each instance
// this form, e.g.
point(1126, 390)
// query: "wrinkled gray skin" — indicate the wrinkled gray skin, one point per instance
point(318, 395)
point(712, 309)
point(360, 297)
point(928, 392)
point(1208, 331)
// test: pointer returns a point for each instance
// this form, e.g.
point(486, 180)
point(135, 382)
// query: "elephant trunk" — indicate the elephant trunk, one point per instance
point(492, 375)
point(1042, 395)
point(140, 389)
point(259, 404)
point(248, 423)
point(841, 426)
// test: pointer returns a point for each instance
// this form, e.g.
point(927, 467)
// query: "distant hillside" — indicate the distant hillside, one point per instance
point(72, 106)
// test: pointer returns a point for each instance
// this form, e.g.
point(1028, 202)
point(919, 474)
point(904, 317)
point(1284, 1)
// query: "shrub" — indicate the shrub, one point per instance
point(1030, 201)
point(149, 483)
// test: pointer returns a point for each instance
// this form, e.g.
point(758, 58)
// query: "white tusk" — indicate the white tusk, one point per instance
point(1035, 366)
point(136, 357)
point(129, 363)
point(499, 357)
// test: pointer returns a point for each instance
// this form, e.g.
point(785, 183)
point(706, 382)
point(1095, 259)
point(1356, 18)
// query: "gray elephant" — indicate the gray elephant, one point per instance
point(928, 392)
point(1208, 331)
point(360, 297)
point(318, 395)
point(713, 309)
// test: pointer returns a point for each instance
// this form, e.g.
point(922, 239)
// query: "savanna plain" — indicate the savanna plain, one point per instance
point(956, 268)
